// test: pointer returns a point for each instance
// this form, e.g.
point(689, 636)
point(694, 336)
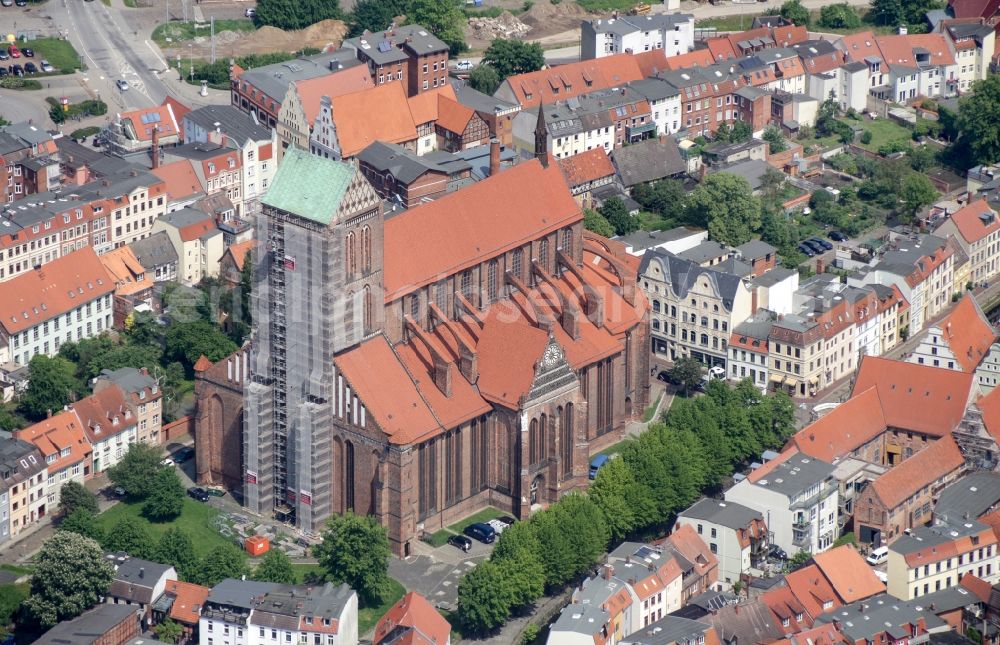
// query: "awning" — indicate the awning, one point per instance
point(814, 380)
point(777, 378)
point(635, 130)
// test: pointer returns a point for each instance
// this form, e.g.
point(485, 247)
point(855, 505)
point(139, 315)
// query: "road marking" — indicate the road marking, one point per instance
point(157, 56)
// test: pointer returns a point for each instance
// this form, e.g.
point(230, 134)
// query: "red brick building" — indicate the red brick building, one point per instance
point(410, 54)
point(219, 419)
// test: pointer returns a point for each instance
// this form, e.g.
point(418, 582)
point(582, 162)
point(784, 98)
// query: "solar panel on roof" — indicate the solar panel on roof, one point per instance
point(150, 117)
point(644, 552)
point(384, 46)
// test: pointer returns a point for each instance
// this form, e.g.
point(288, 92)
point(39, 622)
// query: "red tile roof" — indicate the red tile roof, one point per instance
point(194, 231)
point(104, 413)
point(311, 91)
point(938, 552)
point(968, 333)
point(848, 573)
point(976, 220)
point(180, 179)
point(55, 434)
point(898, 50)
point(380, 113)
point(188, 600)
point(922, 469)
point(56, 287)
point(497, 214)
point(510, 349)
point(786, 607)
point(239, 252)
point(690, 545)
point(587, 166)
point(414, 611)
point(915, 397)
point(652, 62)
point(426, 106)
point(453, 116)
point(565, 81)
point(144, 119)
point(179, 109)
point(977, 586)
point(812, 588)
point(125, 270)
point(974, 8)
point(696, 58)
point(844, 429)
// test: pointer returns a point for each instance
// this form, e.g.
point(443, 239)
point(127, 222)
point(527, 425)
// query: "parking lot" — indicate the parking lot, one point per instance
point(435, 572)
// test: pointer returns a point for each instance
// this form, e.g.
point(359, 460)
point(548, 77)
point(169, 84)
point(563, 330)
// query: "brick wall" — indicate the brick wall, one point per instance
point(171, 431)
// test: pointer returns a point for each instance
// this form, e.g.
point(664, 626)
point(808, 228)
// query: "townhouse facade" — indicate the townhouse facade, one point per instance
point(23, 481)
point(109, 424)
point(736, 534)
point(68, 455)
point(142, 394)
point(197, 241)
point(976, 228)
point(409, 54)
point(672, 33)
point(936, 557)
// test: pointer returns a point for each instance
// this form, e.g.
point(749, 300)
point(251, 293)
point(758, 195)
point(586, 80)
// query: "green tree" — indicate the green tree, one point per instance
point(616, 213)
point(977, 126)
point(130, 536)
point(188, 341)
point(777, 230)
point(741, 132)
point(517, 553)
point(484, 598)
point(511, 57)
point(485, 79)
point(275, 566)
point(137, 356)
point(839, 16)
point(665, 198)
point(224, 561)
point(798, 560)
point(71, 577)
point(772, 134)
point(887, 12)
point(725, 204)
point(574, 534)
point(917, 191)
point(444, 19)
point(921, 158)
point(176, 549)
point(83, 522)
point(374, 15)
point(74, 496)
point(621, 499)
point(165, 500)
point(794, 12)
point(51, 385)
point(168, 631)
point(355, 550)
point(296, 14)
point(137, 470)
point(687, 373)
point(594, 221)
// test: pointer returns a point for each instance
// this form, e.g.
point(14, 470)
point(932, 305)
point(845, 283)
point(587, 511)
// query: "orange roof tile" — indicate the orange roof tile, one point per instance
point(311, 91)
point(976, 220)
point(652, 62)
point(52, 289)
point(938, 552)
point(790, 35)
point(922, 469)
point(239, 252)
point(915, 397)
point(992, 520)
point(565, 81)
point(202, 363)
point(196, 230)
point(178, 108)
point(587, 166)
point(453, 116)
point(860, 46)
point(822, 634)
point(898, 50)
point(696, 58)
point(144, 119)
point(416, 612)
point(124, 268)
point(690, 545)
point(786, 607)
point(844, 429)
point(509, 349)
point(181, 180)
point(720, 48)
point(968, 333)
point(812, 588)
point(497, 214)
point(379, 113)
point(103, 414)
point(848, 574)
point(426, 106)
point(188, 600)
point(979, 587)
point(57, 433)
point(989, 405)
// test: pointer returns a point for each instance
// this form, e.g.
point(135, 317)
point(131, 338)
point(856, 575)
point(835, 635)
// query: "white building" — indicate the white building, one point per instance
point(109, 424)
point(67, 299)
point(653, 578)
point(797, 496)
point(735, 533)
point(664, 103)
point(959, 341)
point(748, 350)
point(676, 240)
point(973, 45)
point(673, 33)
point(64, 446)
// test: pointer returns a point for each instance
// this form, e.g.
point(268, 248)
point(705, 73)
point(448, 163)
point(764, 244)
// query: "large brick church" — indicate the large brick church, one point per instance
point(418, 366)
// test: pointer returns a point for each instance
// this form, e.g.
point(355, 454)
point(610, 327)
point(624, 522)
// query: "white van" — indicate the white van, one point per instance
point(878, 556)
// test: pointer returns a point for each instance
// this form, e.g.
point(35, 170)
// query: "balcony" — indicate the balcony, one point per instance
point(800, 538)
point(801, 522)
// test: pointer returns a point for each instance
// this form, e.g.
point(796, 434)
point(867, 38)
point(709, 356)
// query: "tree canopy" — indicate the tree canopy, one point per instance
point(187, 341)
point(725, 204)
point(51, 385)
point(165, 500)
point(794, 12)
point(839, 16)
point(71, 577)
point(511, 57)
point(130, 536)
point(374, 15)
point(224, 561)
point(355, 550)
point(977, 123)
point(596, 222)
point(136, 472)
point(74, 496)
point(616, 213)
point(687, 373)
point(444, 19)
point(275, 566)
point(296, 14)
point(176, 549)
point(485, 79)
point(84, 523)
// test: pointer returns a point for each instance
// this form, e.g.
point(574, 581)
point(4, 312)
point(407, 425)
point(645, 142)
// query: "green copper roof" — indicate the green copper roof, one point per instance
point(309, 186)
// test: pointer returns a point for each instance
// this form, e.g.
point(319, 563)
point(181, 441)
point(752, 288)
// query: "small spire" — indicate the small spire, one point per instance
point(541, 138)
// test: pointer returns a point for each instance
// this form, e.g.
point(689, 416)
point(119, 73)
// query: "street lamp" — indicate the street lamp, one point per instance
point(191, 60)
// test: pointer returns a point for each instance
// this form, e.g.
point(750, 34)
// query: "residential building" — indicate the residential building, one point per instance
point(64, 446)
point(901, 499)
point(182, 603)
point(748, 349)
point(29, 164)
point(601, 610)
point(409, 54)
point(232, 262)
point(141, 130)
point(976, 227)
point(676, 240)
point(974, 46)
point(67, 299)
point(133, 291)
point(904, 66)
point(586, 171)
point(226, 613)
point(157, 256)
point(459, 127)
point(142, 394)
point(102, 625)
point(693, 309)
point(402, 306)
point(197, 242)
point(647, 161)
point(748, 621)
point(699, 566)
point(23, 482)
point(219, 172)
point(674, 630)
point(568, 81)
point(882, 619)
point(349, 123)
point(109, 424)
point(653, 578)
point(326, 614)
point(413, 619)
point(775, 290)
point(400, 175)
point(301, 104)
point(664, 103)
point(138, 583)
point(833, 578)
point(736, 534)
point(959, 341)
point(797, 496)
point(671, 32)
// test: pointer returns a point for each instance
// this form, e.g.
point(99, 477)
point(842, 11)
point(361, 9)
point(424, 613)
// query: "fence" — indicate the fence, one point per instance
point(171, 431)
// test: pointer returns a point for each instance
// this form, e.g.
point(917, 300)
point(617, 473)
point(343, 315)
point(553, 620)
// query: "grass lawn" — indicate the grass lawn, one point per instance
point(368, 616)
point(439, 538)
point(195, 520)
point(60, 53)
point(13, 568)
point(484, 515)
point(648, 413)
point(883, 131)
point(301, 570)
point(180, 32)
point(607, 5)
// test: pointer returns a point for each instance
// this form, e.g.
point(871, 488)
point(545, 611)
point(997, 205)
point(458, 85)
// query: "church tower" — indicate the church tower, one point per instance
point(541, 138)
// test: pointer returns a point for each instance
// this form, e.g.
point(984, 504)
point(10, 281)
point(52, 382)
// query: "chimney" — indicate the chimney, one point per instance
point(819, 265)
point(142, 572)
point(753, 302)
point(48, 413)
point(494, 156)
point(607, 571)
point(155, 152)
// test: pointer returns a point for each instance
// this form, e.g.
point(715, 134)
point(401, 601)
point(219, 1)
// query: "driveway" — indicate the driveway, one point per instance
point(435, 572)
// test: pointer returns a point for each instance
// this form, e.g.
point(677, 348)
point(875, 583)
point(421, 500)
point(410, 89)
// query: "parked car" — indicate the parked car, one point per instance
point(119, 491)
point(506, 519)
point(777, 552)
point(4, 55)
point(498, 526)
point(7, 3)
point(837, 236)
point(826, 245)
point(716, 372)
point(878, 556)
point(805, 250)
point(121, 84)
point(14, 51)
point(17, 70)
point(482, 532)
point(27, 51)
point(596, 464)
point(815, 247)
point(184, 454)
point(664, 376)
point(199, 494)
point(167, 462)
point(250, 12)
point(21, 3)
point(47, 66)
point(4, 72)
point(460, 541)
point(30, 68)
point(464, 64)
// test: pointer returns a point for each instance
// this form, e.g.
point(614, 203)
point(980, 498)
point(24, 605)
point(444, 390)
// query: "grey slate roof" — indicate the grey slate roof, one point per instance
point(184, 217)
point(682, 274)
point(703, 252)
point(668, 630)
point(941, 532)
point(752, 170)
point(155, 250)
point(624, 25)
point(971, 496)
point(773, 277)
point(89, 627)
point(479, 158)
point(654, 89)
point(728, 514)
point(405, 165)
point(905, 259)
point(864, 623)
point(796, 474)
point(856, 66)
point(648, 161)
point(640, 240)
point(238, 593)
point(757, 326)
point(748, 622)
point(234, 123)
point(135, 578)
point(383, 47)
point(129, 379)
point(12, 453)
point(281, 607)
point(756, 249)
point(581, 619)
point(273, 80)
point(479, 101)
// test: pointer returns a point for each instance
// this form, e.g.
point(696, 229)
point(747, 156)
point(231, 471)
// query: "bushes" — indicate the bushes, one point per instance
point(76, 110)
point(83, 133)
point(866, 137)
point(839, 16)
point(19, 83)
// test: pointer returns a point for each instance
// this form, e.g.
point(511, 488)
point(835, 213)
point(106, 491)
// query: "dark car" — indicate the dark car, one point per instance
point(814, 246)
point(21, 3)
point(4, 72)
point(199, 494)
point(806, 250)
point(17, 70)
point(30, 68)
point(482, 532)
point(184, 454)
point(507, 519)
point(837, 236)
point(777, 552)
point(30, 53)
point(460, 541)
point(823, 243)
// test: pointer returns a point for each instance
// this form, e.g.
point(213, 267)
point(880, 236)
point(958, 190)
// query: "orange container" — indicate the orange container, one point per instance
point(257, 545)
